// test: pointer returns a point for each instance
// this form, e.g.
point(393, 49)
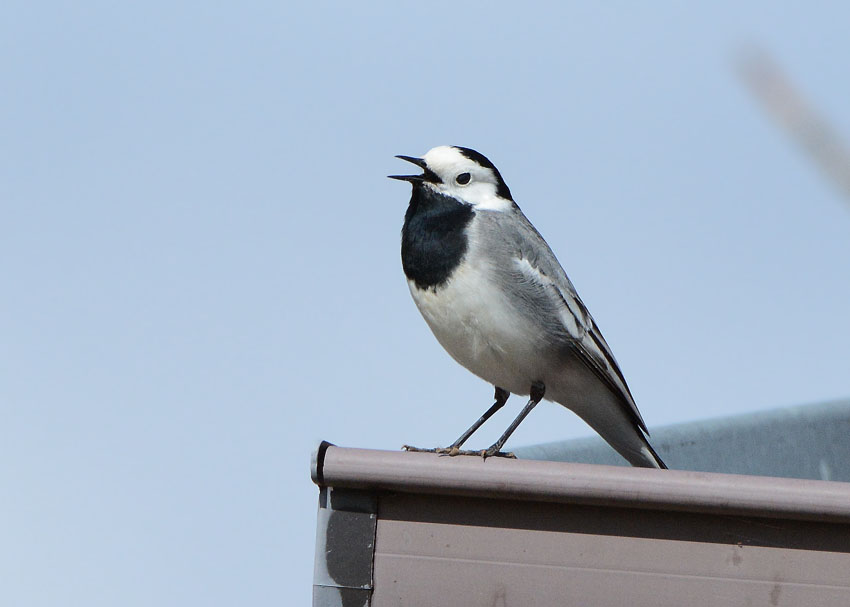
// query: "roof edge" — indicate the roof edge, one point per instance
point(611, 486)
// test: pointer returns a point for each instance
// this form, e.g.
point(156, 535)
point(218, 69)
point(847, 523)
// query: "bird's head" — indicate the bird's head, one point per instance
point(461, 173)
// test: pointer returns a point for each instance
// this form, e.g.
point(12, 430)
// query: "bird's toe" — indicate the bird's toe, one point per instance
point(494, 452)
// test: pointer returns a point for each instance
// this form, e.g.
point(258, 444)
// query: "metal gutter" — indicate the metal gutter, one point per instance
point(583, 484)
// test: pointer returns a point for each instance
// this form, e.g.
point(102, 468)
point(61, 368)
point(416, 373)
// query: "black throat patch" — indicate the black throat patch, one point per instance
point(433, 238)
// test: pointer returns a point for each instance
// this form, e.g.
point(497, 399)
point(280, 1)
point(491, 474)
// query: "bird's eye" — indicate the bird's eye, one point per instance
point(463, 178)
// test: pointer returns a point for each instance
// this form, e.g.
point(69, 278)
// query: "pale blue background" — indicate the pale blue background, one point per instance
point(201, 274)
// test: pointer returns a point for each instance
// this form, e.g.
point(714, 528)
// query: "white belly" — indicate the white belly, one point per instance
point(475, 323)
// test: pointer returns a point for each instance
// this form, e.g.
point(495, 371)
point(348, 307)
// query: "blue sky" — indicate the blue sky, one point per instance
point(200, 254)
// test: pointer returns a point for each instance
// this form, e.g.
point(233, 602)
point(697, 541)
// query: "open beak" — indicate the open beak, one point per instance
point(427, 174)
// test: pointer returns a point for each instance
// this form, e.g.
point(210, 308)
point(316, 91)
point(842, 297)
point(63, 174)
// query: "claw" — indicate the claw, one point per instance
point(485, 453)
point(412, 449)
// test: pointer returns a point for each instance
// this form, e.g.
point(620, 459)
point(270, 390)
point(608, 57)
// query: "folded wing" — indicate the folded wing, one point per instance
point(532, 271)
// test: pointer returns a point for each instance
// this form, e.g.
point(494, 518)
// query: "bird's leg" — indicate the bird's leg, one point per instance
point(501, 397)
point(537, 392)
point(454, 449)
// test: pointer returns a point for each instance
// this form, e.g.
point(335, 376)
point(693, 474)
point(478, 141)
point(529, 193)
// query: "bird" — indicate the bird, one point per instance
point(498, 301)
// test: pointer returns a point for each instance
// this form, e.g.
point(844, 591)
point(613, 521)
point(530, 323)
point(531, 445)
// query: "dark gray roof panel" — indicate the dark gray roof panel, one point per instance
point(811, 441)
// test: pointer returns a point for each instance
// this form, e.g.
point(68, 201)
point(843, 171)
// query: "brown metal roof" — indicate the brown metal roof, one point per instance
point(422, 529)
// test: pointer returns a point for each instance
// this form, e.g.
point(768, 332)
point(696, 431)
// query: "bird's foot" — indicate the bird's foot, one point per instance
point(419, 449)
point(494, 452)
point(453, 451)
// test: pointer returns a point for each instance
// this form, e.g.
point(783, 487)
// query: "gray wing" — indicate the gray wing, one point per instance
point(524, 260)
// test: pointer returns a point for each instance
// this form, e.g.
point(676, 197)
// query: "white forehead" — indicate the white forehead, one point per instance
point(445, 160)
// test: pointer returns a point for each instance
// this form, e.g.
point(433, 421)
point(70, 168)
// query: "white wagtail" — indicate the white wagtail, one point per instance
point(499, 302)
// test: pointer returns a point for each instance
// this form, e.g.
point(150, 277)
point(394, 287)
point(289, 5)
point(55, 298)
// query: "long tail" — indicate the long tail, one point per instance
point(626, 438)
point(650, 459)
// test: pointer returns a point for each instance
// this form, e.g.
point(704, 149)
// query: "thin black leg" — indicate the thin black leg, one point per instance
point(537, 392)
point(454, 449)
point(501, 398)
